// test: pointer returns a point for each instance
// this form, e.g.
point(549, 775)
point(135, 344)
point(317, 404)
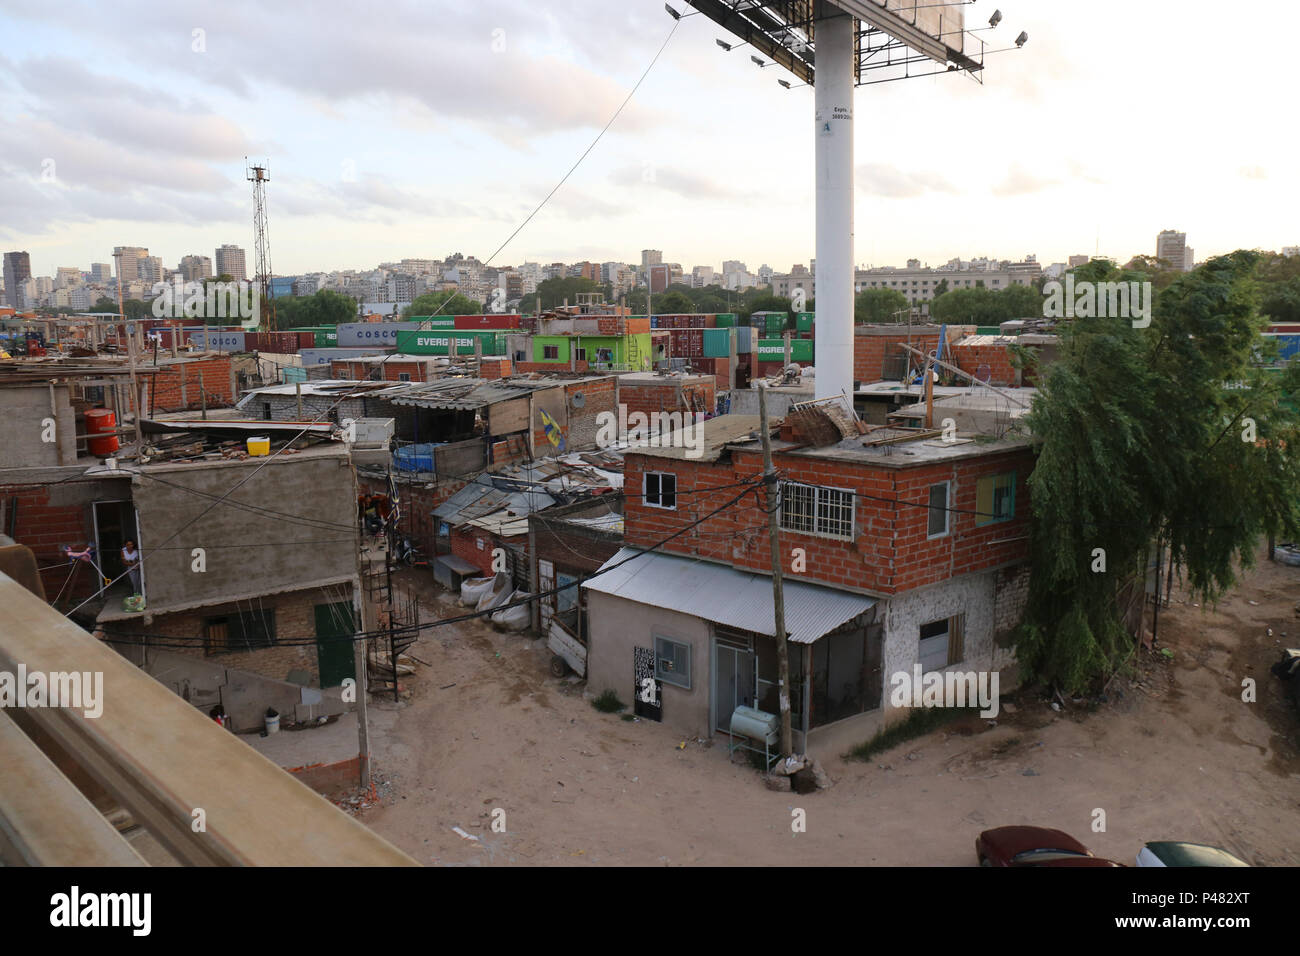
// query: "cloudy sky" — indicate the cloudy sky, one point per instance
point(424, 128)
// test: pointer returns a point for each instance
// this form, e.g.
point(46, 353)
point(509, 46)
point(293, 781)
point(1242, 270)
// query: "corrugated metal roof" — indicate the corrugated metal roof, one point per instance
point(726, 596)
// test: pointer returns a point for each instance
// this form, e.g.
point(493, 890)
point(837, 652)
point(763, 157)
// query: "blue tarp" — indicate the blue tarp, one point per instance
point(416, 458)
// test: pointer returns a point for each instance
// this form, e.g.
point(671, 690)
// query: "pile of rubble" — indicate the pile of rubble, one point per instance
point(799, 774)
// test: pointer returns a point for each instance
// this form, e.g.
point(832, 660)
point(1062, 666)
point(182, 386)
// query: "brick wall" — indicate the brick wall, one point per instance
point(465, 543)
point(668, 395)
point(891, 551)
point(995, 355)
point(176, 387)
point(295, 620)
point(418, 502)
point(871, 348)
point(599, 396)
point(1011, 594)
point(523, 368)
point(46, 524)
point(389, 371)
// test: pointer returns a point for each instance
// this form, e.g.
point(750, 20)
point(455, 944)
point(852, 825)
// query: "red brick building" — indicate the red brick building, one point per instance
point(898, 549)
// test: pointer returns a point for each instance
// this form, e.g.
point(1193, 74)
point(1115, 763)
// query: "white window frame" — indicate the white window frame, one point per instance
point(645, 491)
point(947, 504)
point(818, 514)
point(673, 677)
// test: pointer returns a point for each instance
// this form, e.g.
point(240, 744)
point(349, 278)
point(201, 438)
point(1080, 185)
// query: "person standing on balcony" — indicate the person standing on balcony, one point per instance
point(131, 558)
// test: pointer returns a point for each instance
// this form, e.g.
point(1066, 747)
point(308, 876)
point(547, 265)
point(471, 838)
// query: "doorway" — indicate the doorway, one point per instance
point(733, 675)
point(115, 524)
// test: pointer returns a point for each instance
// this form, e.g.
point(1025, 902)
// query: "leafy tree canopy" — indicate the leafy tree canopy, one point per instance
point(447, 302)
point(1168, 437)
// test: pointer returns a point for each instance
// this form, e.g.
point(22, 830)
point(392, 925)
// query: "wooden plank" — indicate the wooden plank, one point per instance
point(508, 416)
point(162, 760)
point(44, 819)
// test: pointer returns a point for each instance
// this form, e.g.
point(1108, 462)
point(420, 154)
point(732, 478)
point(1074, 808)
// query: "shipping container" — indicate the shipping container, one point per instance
point(311, 357)
point(686, 343)
point(495, 321)
point(434, 321)
point(717, 343)
point(218, 341)
point(436, 341)
point(353, 334)
point(803, 322)
point(773, 350)
point(725, 320)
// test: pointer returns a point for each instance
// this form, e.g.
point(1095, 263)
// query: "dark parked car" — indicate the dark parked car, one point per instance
point(1034, 846)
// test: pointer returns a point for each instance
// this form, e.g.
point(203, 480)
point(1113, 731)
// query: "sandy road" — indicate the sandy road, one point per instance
point(1177, 755)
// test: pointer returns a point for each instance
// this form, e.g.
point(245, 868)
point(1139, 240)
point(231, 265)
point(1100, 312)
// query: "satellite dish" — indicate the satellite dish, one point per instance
point(579, 399)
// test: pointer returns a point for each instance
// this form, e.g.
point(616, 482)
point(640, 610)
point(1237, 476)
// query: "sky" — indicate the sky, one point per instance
point(424, 128)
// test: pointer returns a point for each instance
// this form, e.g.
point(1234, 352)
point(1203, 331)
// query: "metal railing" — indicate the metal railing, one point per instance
point(207, 797)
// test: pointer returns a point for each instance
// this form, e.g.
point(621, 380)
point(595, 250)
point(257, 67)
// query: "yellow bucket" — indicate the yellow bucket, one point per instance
point(259, 446)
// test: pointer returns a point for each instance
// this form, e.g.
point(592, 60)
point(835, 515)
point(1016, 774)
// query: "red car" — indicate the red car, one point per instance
point(1034, 846)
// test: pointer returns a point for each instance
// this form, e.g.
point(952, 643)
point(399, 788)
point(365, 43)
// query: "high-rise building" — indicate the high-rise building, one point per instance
point(651, 257)
point(1076, 261)
point(127, 259)
point(1291, 251)
point(17, 270)
point(1172, 247)
point(229, 261)
point(101, 272)
point(195, 268)
point(702, 276)
point(65, 277)
point(152, 270)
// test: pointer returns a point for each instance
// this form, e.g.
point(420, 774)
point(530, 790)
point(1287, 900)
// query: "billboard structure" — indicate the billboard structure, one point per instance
point(834, 46)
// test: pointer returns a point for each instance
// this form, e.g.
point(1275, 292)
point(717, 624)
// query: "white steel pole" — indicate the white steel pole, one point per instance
point(834, 160)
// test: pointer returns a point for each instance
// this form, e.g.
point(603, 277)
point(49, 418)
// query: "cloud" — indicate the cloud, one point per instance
point(889, 182)
point(1021, 182)
point(683, 182)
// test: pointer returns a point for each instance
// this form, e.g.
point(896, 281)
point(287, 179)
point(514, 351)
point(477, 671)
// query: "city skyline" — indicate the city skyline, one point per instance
point(155, 151)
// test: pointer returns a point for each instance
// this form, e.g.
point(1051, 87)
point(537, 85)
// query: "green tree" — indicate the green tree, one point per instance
point(1020, 302)
point(762, 302)
point(673, 302)
point(448, 302)
point(552, 293)
point(1166, 437)
point(940, 287)
point(880, 306)
point(973, 306)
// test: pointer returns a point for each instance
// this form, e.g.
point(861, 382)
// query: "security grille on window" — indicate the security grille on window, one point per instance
point(403, 376)
point(550, 351)
point(244, 631)
point(661, 489)
point(938, 525)
point(814, 510)
point(673, 662)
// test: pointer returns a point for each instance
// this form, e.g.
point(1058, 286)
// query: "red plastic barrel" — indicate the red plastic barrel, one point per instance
point(98, 422)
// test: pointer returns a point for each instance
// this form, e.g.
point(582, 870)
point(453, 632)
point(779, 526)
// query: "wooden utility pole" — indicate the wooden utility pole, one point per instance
point(778, 593)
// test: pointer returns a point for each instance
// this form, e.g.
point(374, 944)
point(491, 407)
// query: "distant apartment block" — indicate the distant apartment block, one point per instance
point(101, 272)
point(127, 261)
point(1172, 247)
point(194, 268)
point(17, 269)
point(229, 260)
point(651, 257)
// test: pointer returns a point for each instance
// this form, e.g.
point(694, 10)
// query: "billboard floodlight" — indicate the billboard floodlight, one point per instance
point(996, 18)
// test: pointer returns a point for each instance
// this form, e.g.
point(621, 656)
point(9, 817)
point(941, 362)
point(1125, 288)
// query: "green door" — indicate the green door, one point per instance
point(334, 627)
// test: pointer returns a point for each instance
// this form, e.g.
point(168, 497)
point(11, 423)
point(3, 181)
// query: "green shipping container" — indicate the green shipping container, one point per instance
point(435, 321)
point(804, 322)
point(775, 322)
point(773, 350)
point(717, 343)
point(436, 342)
point(726, 320)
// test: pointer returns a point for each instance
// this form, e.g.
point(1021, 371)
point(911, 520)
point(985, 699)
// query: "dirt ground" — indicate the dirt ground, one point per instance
point(1174, 754)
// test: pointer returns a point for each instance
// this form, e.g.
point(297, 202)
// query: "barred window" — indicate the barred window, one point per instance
point(812, 510)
